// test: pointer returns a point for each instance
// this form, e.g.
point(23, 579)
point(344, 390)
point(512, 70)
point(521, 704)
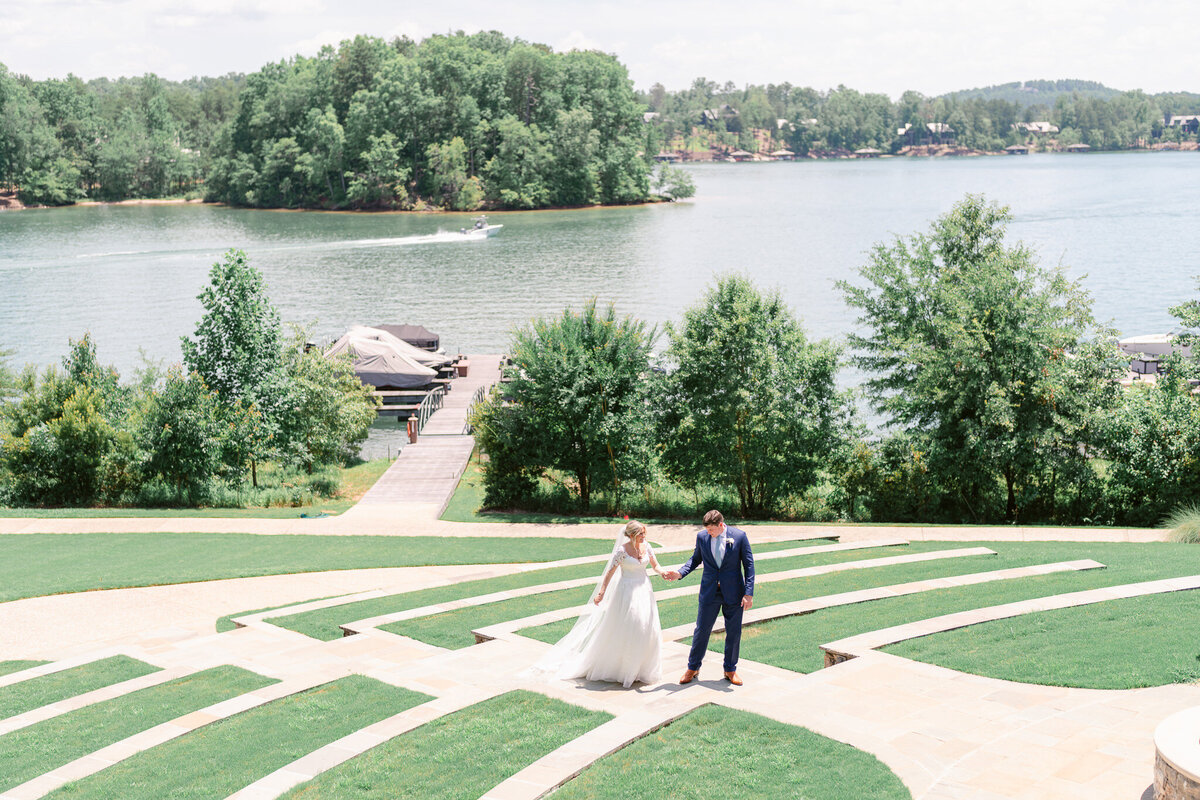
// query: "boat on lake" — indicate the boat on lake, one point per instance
point(481, 229)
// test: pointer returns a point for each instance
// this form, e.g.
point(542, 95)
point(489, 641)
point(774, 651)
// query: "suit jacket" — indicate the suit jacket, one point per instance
point(735, 576)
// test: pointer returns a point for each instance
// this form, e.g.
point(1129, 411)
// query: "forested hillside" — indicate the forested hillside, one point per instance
point(484, 121)
point(456, 121)
point(806, 121)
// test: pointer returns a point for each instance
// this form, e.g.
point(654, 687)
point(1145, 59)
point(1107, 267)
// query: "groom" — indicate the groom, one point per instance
point(726, 554)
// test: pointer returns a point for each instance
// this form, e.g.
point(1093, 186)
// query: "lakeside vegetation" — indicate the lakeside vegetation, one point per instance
point(807, 122)
point(999, 391)
point(465, 122)
point(457, 122)
point(245, 400)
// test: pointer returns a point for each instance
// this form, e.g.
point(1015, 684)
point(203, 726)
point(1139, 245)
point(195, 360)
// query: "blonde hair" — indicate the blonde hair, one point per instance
point(633, 528)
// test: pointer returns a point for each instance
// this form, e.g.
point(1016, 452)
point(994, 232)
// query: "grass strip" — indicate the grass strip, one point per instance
point(82, 562)
point(1099, 646)
point(8, 667)
point(793, 642)
point(17, 698)
point(323, 623)
point(459, 756)
point(681, 610)
point(218, 759)
point(28, 752)
point(735, 755)
point(226, 622)
point(452, 629)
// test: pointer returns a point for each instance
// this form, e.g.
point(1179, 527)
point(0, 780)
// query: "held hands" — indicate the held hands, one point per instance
point(671, 575)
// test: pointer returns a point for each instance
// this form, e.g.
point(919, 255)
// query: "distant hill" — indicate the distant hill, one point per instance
point(1035, 93)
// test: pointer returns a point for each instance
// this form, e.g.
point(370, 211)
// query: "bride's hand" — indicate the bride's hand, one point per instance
point(599, 597)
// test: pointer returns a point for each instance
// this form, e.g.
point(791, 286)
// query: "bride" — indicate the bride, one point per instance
point(618, 637)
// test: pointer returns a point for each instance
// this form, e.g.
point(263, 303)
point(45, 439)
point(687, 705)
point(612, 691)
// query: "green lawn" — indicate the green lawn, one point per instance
point(44, 746)
point(1099, 646)
point(218, 759)
point(793, 642)
point(734, 755)
point(323, 623)
point(680, 610)
point(86, 561)
point(452, 629)
point(17, 698)
point(459, 756)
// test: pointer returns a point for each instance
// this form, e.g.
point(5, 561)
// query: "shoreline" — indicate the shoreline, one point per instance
point(9, 202)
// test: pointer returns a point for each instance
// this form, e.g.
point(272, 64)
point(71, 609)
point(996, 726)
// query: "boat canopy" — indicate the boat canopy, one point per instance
point(378, 362)
point(416, 335)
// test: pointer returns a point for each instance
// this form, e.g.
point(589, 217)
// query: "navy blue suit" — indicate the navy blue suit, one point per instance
point(721, 589)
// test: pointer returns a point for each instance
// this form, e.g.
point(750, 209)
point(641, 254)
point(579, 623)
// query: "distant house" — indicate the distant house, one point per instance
point(783, 155)
point(940, 132)
point(710, 116)
point(649, 115)
point(782, 124)
point(741, 155)
point(1189, 123)
point(932, 133)
point(1040, 128)
point(1017, 150)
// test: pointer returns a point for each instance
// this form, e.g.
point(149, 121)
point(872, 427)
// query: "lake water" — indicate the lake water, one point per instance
point(131, 274)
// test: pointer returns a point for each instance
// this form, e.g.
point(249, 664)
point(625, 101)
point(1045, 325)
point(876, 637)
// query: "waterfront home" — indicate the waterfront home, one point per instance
point(1189, 123)
point(1038, 128)
point(1017, 150)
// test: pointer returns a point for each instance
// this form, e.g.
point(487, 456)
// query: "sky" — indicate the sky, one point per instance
point(884, 46)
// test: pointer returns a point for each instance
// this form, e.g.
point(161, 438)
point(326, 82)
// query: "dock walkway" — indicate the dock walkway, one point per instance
point(426, 472)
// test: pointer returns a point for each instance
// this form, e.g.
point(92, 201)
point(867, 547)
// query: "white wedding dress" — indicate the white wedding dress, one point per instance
point(619, 640)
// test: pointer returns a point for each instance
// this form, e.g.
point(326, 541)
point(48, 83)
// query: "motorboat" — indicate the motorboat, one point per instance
point(480, 229)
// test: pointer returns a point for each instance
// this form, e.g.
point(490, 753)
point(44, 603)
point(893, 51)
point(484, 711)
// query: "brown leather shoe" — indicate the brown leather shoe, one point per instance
point(733, 678)
point(689, 676)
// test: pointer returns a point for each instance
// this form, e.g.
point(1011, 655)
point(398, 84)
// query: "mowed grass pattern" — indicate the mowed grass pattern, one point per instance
point(1099, 646)
point(734, 755)
point(681, 610)
point(323, 623)
point(17, 698)
point(218, 759)
point(28, 752)
point(793, 642)
point(459, 756)
point(87, 561)
point(452, 629)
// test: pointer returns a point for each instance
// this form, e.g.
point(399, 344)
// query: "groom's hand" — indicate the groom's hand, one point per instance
point(747, 601)
point(671, 576)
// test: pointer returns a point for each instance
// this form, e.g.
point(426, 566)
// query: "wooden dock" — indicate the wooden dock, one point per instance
point(427, 472)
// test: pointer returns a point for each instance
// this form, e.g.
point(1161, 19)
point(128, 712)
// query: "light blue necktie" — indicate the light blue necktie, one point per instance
point(718, 550)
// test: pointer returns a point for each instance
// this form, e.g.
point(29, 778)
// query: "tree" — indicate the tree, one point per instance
point(577, 403)
point(330, 408)
point(748, 402)
point(183, 434)
point(990, 362)
point(673, 183)
point(237, 349)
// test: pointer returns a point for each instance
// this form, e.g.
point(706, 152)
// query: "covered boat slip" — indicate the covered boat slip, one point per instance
point(402, 374)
